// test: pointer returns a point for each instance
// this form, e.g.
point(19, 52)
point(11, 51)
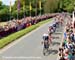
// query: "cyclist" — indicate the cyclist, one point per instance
point(46, 40)
point(50, 29)
point(54, 27)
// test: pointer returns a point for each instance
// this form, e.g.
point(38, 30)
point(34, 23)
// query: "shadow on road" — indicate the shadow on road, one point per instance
point(55, 43)
point(55, 37)
point(51, 52)
point(57, 33)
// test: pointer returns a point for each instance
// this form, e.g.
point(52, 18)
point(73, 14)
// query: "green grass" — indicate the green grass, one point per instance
point(6, 40)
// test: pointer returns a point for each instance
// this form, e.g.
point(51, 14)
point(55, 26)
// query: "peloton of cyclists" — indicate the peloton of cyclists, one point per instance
point(47, 37)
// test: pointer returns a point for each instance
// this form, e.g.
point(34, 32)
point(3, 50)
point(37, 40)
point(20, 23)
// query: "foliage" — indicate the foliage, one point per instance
point(48, 6)
point(51, 6)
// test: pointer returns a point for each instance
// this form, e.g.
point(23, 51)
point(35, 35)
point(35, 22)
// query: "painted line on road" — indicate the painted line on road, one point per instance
point(21, 57)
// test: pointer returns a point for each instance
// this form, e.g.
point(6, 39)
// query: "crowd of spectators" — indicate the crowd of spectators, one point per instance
point(67, 48)
point(16, 25)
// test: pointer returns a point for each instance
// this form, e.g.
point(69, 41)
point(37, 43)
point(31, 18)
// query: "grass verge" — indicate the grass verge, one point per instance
point(6, 40)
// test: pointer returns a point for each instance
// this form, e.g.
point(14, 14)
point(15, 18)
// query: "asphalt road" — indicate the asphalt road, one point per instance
point(30, 47)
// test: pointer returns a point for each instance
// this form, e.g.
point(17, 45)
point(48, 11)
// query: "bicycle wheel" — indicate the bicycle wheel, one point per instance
point(45, 49)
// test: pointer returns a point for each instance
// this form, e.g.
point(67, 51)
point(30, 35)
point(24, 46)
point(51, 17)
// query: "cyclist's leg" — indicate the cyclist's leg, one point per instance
point(50, 40)
point(46, 46)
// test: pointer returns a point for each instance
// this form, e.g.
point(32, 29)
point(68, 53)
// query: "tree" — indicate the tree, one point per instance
point(51, 6)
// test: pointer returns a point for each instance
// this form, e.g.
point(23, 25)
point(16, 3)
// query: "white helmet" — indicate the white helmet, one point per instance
point(45, 34)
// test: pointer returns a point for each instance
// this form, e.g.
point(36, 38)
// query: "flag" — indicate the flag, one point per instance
point(30, 6)
point(10, 6)
point(40, 4)
point(23, 6)
point(18, 6)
